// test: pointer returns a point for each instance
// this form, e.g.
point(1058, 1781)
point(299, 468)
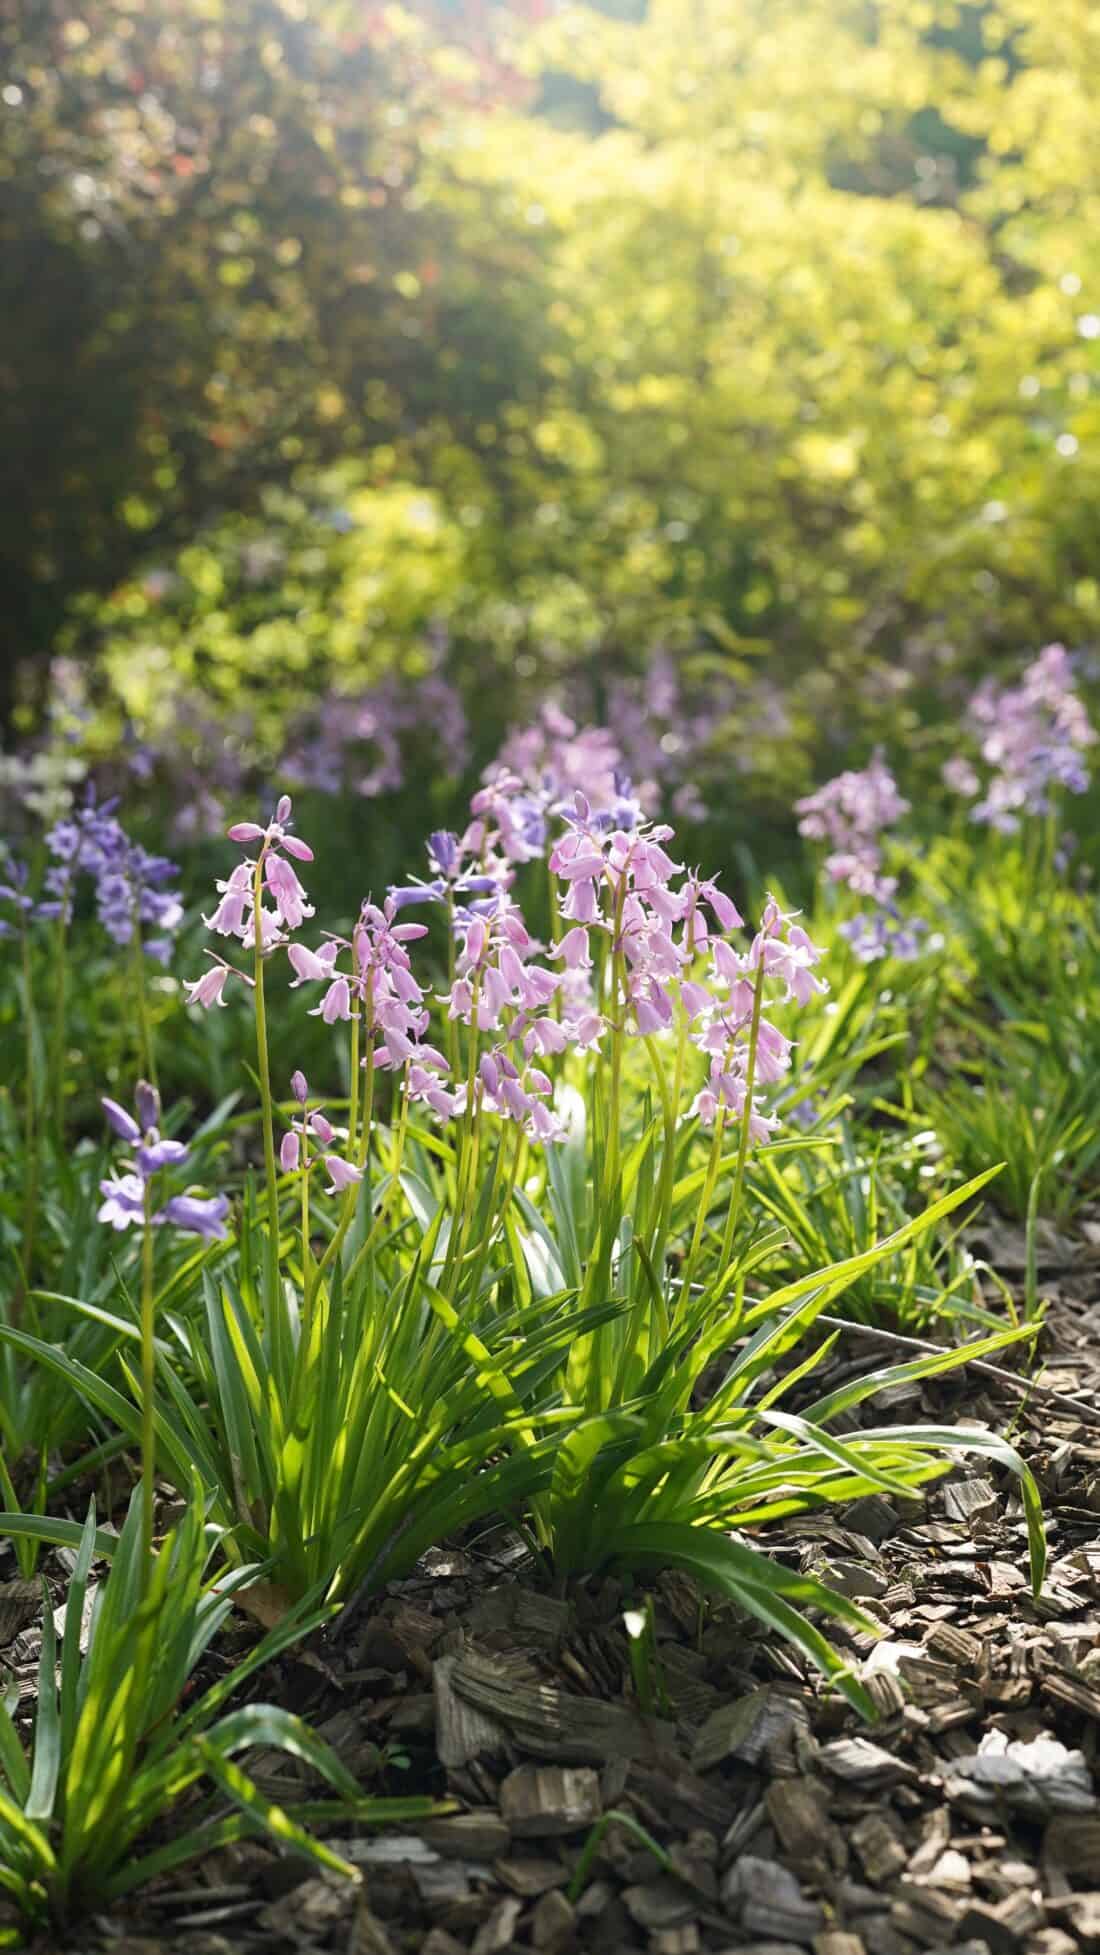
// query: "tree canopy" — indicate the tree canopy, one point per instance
point(761, 331)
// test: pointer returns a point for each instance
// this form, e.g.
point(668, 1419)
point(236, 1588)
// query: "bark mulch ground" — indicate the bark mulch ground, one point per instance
point(967, 1818)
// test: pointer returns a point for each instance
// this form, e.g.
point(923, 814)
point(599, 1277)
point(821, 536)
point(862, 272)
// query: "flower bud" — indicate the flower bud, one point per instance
point(147, 1103)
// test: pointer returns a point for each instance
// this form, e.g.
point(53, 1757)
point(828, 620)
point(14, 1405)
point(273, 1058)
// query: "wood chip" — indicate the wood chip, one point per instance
point(546, 1801)
point(659, 1903)
point(748, 1728)
point(770, 1900)
point(468, 1835)
point(462, 1732)
point(1072, 1691)
point(553, 1923)
point(1072, 1841)
point(553, 1723)
point(970, 1500)
point(797, 1810)
point(859, 1759)
point(958, 1646)
point(20, 1603)
point(1038, 1778)
point(439, 1942)
point(530, 1876)
point(495, 1935)
point(879, 1849)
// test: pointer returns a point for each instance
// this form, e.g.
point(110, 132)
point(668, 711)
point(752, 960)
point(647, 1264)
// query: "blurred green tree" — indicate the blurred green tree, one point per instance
point(217, 260)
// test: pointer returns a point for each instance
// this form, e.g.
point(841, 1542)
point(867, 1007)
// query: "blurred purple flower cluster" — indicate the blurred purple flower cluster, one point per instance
point(852, 813)
point(127, 1196)
point(131, 887)
point(359, 744)
point(875, 934)
point(1032, 737)
point(15, 896)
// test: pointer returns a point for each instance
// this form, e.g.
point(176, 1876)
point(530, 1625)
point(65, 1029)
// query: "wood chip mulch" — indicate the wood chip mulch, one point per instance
point(967, 1818)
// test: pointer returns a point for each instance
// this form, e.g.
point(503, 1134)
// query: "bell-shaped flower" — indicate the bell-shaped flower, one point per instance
point(207, 990)
point(203, 1215)
point(124, 1201)
point(342, 1174)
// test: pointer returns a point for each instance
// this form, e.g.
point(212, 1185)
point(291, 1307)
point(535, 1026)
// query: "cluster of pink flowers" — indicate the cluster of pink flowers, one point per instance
point(620, 893)
point(640, 948)
point(285, 909)
point(1033, 738)
point(850, 813)
point(781, 950)
point(308, 1140)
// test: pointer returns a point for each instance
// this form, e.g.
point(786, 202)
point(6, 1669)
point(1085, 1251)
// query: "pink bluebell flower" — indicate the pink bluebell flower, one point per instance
point(208, 989)
point(304, 1146)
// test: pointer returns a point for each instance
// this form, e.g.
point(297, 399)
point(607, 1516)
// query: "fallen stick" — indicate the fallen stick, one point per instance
point(1026, 1387)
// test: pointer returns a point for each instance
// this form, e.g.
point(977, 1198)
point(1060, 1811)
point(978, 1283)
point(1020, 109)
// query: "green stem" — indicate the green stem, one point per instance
point(394, 1189)
point(705, 1199)
point(746, 1122)
point(264, 1068)
point(494, 1217)
point(353, 1084)
point(616, 1014)
point(147, 1064)
point(466, 1139)
point(670, 1105)
point(148, 1377)
point(307, 1269)
point(55, 1068)
point(32, 1164)
point(398, 1156)
point(451, 1024)
point(592, 1845)
point(351, 1198)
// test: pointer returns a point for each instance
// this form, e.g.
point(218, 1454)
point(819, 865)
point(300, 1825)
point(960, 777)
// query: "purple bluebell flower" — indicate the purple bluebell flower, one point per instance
point(342, 1174)
point(850, 813)
point(124, 1194)
point(123, 1205)
point(203, 1215)
point(237, 914)
point(15, 896)
point(362, 743)
point(961, 776)
point(153, 1155)
point(131, 886)
point(876, 934)
point(146, 1104)
point(124, 1124)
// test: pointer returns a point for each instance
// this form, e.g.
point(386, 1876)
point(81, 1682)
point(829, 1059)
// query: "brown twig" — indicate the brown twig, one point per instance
point(1026, 1387)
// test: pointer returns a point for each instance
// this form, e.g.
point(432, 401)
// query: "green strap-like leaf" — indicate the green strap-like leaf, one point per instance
point(274, 1820)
